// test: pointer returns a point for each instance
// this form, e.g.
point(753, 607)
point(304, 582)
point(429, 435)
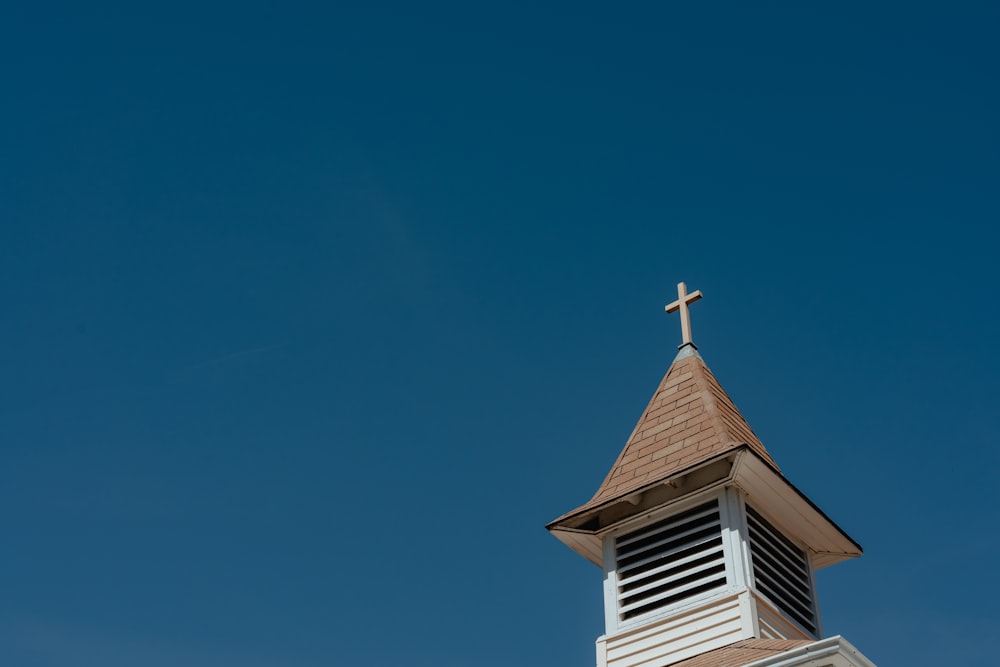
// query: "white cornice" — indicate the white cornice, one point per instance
point(831, 652)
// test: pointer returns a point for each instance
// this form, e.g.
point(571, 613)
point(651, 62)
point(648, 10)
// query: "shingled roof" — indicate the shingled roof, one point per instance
point(690, 419)
point(742, 653)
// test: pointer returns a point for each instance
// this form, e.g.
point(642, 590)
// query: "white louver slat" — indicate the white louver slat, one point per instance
point(781, 571)
point(669, 561)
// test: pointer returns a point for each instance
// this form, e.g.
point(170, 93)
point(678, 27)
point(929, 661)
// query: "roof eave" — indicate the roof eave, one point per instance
point(766, 488)
point(580, 529)
point(771, 492)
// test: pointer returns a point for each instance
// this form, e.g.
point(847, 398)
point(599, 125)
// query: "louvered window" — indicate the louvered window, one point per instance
point(669, 561)
point(781, 571)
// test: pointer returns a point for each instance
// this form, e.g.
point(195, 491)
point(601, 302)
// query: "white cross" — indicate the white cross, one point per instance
point(683, 299)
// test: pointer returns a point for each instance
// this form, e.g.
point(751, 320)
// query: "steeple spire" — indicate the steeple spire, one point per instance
point(708, 552)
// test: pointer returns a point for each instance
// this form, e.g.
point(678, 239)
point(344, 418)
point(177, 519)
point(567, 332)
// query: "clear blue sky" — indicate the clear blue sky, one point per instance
point(312, 316)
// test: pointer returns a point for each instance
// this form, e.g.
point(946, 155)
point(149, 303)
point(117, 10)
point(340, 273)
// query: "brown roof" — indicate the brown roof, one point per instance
point(742, 653)
point(689, 419)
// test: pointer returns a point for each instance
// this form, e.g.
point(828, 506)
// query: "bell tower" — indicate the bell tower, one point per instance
point(708, 552)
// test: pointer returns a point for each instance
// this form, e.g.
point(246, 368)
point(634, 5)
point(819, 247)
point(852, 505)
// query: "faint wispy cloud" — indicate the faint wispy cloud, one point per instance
point(252, 351)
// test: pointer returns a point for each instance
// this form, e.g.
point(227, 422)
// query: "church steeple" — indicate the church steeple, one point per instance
point(704, 545)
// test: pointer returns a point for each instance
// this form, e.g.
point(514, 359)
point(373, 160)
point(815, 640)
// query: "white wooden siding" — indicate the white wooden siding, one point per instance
point(676, 637)
point(773, 624)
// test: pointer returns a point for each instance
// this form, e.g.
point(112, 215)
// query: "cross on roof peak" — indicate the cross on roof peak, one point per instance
point(681, 304)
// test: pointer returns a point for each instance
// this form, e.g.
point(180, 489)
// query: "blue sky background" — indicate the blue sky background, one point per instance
point(314, 315)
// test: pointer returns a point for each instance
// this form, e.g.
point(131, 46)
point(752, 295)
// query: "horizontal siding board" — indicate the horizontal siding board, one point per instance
point(672, 623)
point(676, 638)
point(778, 626)
point(700, 642)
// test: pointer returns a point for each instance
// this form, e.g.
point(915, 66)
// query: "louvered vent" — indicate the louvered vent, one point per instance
point(669, 561)
point(781, 571)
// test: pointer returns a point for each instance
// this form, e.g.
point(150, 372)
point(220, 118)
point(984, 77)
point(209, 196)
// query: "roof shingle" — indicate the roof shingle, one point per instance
point(689, 419)
point(742, 653)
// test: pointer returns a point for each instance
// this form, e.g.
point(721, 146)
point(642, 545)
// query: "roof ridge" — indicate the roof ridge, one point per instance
point(749, 438)
point(711, 405)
